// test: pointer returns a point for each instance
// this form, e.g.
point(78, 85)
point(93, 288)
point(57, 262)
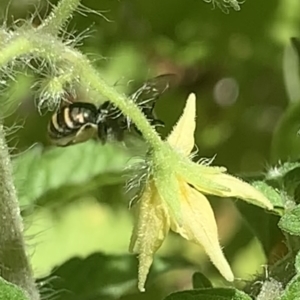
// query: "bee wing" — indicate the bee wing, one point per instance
point(151, 90)
point(147, 95)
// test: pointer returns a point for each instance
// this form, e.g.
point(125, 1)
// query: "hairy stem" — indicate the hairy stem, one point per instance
point(127, 106)
point(59, 16)
point(14, 266)
point(43, 44)
point(52, 49)
point(13, 49)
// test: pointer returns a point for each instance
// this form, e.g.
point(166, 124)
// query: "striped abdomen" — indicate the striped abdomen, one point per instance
point(69, 119)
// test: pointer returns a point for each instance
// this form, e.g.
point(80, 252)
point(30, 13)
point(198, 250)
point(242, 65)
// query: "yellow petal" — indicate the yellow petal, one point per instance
point(233, 187)
point(199, 226)
point(150, 230)
point(182, 136)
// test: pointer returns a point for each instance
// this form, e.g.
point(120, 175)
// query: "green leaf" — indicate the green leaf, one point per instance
point(286, 140)
point(10, 291)
point(37, 172)
point(263, 225)
point(291, 70)
point(270, 193)
point(101, 276)
point(270, 290)
point(209, 294)
point(290, 221)
point(291, 182)
point(278, 172)
point(292, 290)
point(200, 281)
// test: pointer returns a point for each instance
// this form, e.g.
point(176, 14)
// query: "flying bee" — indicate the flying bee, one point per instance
point(79, 121)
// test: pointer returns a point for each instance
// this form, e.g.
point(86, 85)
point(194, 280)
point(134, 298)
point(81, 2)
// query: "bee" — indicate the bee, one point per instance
point(79, 121)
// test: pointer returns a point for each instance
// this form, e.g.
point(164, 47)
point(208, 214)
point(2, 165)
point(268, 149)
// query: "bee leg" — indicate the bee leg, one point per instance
point(157, 122)
point(102, 133)
point(85, 133)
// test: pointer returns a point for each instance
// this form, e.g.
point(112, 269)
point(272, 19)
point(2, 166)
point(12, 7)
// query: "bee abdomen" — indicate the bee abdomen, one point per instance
point(69, 119)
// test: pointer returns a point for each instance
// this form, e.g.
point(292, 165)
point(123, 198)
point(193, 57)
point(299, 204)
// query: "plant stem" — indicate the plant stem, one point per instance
point(34, 42)
point(14, 266)
point(17, 47)
point(51, 48)
point(59, 16)
point(127, 106)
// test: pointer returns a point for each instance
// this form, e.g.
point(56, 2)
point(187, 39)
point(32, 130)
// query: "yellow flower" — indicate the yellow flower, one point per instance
point(173, 198)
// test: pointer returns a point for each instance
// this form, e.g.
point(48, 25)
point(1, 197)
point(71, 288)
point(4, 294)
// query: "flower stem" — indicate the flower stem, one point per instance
point(50, 48)
point(59, 16)
point(13, 49)
point(127, 106)
point(14, 265)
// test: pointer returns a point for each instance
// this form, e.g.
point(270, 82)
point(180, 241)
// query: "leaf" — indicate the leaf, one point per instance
point(101, 276)
point(290, 221)
point(292, 290)
point(286, 140)
point(37, 172)
point(281, 170)
point(10, 291)
point(200, 281)
point(263, 225)
point(270, 290)
point(291, 70)
point(270, 193)
point(209, 294)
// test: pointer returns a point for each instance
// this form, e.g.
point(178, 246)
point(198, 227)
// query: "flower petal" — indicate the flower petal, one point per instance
point(233, 187)
point(150, 230)
point(199, 226)
point(182, 136)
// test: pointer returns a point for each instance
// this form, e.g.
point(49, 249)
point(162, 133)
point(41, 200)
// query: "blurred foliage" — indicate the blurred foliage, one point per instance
point(244, 70)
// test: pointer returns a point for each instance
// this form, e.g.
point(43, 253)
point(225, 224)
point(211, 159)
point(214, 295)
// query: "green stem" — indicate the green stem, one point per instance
point(127, 106)
point(53, 49)
point(59, 16)
point(14, 266)
point(13, 49)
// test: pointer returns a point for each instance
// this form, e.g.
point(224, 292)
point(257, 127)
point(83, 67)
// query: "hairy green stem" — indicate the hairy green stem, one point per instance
point(50, 48)
point(17, 47)
point(14, 266)
point(59, 16)
point(42, 43)
point(127, 106)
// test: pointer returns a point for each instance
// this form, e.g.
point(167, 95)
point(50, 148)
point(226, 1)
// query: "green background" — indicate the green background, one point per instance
point(244, 72)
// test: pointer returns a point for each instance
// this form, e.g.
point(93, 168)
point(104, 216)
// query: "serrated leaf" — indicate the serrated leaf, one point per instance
point(209, 294)
point(37, 172)
point(201, 281)
point(101, 276)
point(10, 291)
point(281, 170)
point(270, 193)
point(290, 221)
point(292, 290)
